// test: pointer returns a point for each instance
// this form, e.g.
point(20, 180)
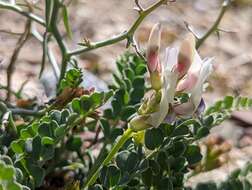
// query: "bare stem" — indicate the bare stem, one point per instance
point(215, 26)
point(123, 36)
point(19, 10)
point(60, 42)
point(23, 38)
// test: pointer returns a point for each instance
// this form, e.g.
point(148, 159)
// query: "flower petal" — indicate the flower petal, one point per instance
point(197, 91)
point(201, 108)
point(185, 109)
point(171, 59)
point(186, 54)
point(168, 92)
point(188, 108)
point(190, 80)
point(153, 49)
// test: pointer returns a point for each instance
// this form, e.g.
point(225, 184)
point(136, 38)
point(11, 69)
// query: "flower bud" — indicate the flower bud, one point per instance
point(186, 54)
point(156, 80)
point(138, 123)
point(150, 103)
point(152, 54)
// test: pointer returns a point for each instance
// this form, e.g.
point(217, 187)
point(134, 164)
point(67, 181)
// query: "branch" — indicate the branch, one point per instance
point(214, 28)
point(63, 48)
point(23, 38)
point(125, 35)
point(21, 111)
point(19, 10)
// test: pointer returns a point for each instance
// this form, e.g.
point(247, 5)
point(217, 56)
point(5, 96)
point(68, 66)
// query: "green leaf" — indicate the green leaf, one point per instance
point(86, 104)
point(56, 115)
point(97, 98)
point(74, 143)
point(132, 162)
point(178, 164)
point(147, 177)
point(14, 186)
point(47, 152)
point(141, 69)
point(180, 130)
point(110, 176)
point(143, 166)
point(45, 129)
point(193, 154)
point(59, 132)
point(165, 184)
point(66, 21)
point(8, 174)
point(138, 82)
point(153, 138)
point(122, 158)
point(37, 174)
point(177, 149)
point(27, 133)
point(228, 102)
point(162, 159)
point(18, 146)
point(129, 73)
point(47, 141)
point(105, 127)
point(36, 142)
point(154, 166)
point(127, 112)
point(202, 132)
point(76, 105)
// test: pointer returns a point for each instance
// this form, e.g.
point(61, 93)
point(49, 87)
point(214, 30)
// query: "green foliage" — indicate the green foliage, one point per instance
point(10, 176)
point(129, 87)
point(222, 109)
point(157, 158)
point(72, 79)
point(38, 142)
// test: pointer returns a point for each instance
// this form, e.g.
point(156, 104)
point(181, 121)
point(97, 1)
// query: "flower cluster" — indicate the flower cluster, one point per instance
point(181, 71)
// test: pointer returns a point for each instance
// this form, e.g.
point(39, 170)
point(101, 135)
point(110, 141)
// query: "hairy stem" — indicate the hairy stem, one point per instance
point(214, 28)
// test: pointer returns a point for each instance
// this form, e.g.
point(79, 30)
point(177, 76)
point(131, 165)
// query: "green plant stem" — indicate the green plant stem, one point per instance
point(214, 28)
point(19, 10)
point(60, 42)
point(21, 111)
point(125, 35)
point(126, 135)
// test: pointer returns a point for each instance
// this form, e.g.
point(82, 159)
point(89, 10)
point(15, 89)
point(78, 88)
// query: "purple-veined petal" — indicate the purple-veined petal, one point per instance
point(170, 118)
point(201, 108)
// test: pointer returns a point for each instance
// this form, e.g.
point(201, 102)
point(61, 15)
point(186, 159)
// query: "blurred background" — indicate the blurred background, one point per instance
point(97, 20)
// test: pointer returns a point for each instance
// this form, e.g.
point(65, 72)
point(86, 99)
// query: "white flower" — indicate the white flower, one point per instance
point(182, 70)
point(193, 83)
